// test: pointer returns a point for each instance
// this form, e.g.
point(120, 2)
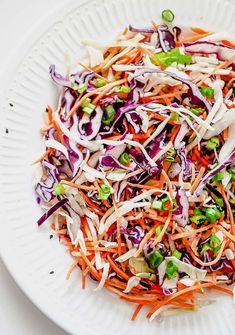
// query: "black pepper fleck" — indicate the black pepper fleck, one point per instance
point(51, 273)
point(11, 104)
point(7, 131)
point(51, 236)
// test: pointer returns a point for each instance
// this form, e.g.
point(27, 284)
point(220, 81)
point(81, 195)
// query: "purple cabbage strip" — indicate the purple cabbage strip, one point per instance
point(193, 88)
point(136, 235)
point(230, 160)
point(45, 188)
point(135, 120)
point(120, 112)
point(52, 210)
point(183, 203)
point(177, 32)
point(157, 144)
point(58, 78)
point(75, 156)
point(141, 161)
point(112, 162)
point(141, 30)
point(186, 169)
point(89, 127)
point(166, 38)
point(82, 77)
point(109, 101)
point(68, 101)
point(119, 187)
point(222, 51)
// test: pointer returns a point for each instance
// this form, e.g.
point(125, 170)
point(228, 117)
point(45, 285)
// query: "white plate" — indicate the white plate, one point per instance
point(26, 249)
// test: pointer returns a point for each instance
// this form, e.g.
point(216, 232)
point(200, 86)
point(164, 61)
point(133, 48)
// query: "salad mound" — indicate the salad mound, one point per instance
point(138, 174)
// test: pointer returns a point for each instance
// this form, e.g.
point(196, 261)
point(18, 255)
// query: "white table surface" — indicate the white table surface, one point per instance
point(18, 316)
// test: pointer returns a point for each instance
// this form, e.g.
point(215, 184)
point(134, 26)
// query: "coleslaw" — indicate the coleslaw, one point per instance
point(138, 174)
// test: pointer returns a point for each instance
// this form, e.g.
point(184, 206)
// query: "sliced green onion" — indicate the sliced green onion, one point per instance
point(218, 176)
point(168, 15)
point(196, 111)
point(197, 211)
point(82, 88)
point(155, 259)
point(158, 230)
point(104, 193)
point(212, 214)
point(171, 270)
point(205, 247)
point(176, 253)
point(125, 89)
point(170, 159)
point(59, 189)
point(219, 201)
point(124, 159)
point(174, 116)
point(108, 116)
point(88, 110)
point(156, 204)
point(198, 219)
point(207, 92)
point(119, 100)
point(72, 84)
point(171, 151)
point(215, 243)
point(166, 201)
point(86, 103)
point(167, 58)
point(100, 83)
point(212, 143)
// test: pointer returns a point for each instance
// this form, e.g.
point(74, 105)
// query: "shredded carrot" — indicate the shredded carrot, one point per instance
point(79, 186)
point(228, 43)
point(105, 89)
point(59, 131)
point(199, 31)
point(176, 295)
point(136, 312)
point(221, 188)
point(195, 38)
point(197, 180)
point(50, 113)
point(46, 153)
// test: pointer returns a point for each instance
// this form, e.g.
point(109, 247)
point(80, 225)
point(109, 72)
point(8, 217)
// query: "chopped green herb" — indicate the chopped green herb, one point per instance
point(100, 83)
point(176, 253)
point(168, 15)
point(86, 103)
point(124, 159)
point(82, 88)
point(167, 58)
point(207, 92)
point(218, 176)
point(104, 193)
point(174, 116)
point(215, 243)
point(204, 248)
point(156, 204)
point(125, 89)
point(108, 116)
point(158, 230)
point(155, 259)
point(59, 189)
point(212, 143)
point(212, 214)
point(198, 219)
point(171, 270)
